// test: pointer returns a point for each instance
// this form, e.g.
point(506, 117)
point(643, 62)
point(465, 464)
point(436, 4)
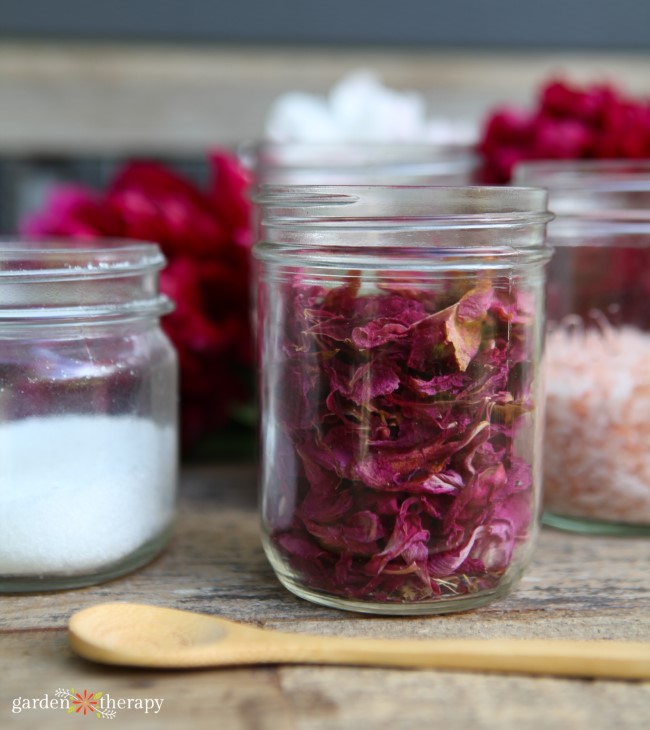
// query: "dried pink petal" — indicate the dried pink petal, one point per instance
point(402, 408)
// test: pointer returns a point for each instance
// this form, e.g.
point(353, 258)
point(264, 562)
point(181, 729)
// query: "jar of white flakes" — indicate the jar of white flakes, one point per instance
point(88, 412)
point(597, 450)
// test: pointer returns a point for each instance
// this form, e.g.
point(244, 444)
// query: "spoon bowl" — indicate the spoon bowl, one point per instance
point(148, 636)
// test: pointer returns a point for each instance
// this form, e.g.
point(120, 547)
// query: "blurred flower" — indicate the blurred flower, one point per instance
point(206, 237)
point(595, 122)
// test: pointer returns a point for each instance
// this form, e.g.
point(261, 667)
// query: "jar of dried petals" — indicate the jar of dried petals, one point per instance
point(597, 455)
point(400, 331)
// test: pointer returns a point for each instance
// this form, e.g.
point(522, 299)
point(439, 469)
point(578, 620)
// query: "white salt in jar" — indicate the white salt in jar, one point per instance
point(88, 412)
point(597, 440)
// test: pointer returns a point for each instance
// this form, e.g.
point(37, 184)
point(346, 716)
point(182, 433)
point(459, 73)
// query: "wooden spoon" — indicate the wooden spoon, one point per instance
point(148, 636)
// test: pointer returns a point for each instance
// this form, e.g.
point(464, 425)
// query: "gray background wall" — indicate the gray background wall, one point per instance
point(552, 24)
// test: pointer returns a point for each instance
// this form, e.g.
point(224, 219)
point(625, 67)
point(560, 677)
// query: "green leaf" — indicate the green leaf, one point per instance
point(98, 695)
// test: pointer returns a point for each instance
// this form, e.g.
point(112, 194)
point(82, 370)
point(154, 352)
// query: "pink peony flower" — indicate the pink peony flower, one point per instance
point(76, 212)
point(595, 122)
point(206, 238)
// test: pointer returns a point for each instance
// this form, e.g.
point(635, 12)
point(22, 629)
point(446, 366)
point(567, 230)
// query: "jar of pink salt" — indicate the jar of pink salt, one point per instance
point(399, 335)
point(597, 441)
point(88, 432)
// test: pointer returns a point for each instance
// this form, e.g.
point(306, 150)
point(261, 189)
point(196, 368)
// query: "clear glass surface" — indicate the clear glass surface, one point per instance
point(301, 163)
point(597, 461)
point(87, 413)
point(399, 343)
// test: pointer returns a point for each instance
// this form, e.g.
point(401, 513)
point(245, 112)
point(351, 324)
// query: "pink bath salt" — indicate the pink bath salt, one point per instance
point(597, 449)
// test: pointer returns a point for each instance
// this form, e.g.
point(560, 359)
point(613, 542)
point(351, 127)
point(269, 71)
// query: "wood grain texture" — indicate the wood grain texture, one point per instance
point(79, 98)
point(577, 587)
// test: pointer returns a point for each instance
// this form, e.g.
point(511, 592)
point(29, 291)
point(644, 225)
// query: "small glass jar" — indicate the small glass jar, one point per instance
point(400, 330)
point(597, 448)
point(88, 412)
point(386, 163)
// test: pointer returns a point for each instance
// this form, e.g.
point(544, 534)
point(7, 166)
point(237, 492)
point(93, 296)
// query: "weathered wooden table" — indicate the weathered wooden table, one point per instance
point(577, 587)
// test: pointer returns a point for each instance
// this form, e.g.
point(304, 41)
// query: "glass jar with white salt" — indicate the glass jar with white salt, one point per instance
point(597, 450)
point(88, 412)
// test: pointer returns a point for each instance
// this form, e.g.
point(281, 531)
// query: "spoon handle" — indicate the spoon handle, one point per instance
point(611, 659)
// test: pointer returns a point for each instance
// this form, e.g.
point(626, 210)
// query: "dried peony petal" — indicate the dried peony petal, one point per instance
point(403, 407)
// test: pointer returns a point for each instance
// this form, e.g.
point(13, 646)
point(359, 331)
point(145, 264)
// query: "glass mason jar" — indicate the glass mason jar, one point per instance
point(88, 412)
point(389, 163)
point(399, 336)
point(597, 455)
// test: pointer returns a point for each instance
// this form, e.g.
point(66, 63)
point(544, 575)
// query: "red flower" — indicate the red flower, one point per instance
point(228, 196)
point(155, 204)
point(206, 238)
point(595, 122)
point(76, 212)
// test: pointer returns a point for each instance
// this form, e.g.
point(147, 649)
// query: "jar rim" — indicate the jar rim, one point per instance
point(59, 258)
point(418, 226)
point(58, 280)
point(401, 207)
point(334, 162)
point(420, 202)
point(594, 197)
point(369, 152)
point(586, 175)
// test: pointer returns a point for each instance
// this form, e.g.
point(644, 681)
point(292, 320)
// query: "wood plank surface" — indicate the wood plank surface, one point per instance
point(75, 98)
point(577, 587)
